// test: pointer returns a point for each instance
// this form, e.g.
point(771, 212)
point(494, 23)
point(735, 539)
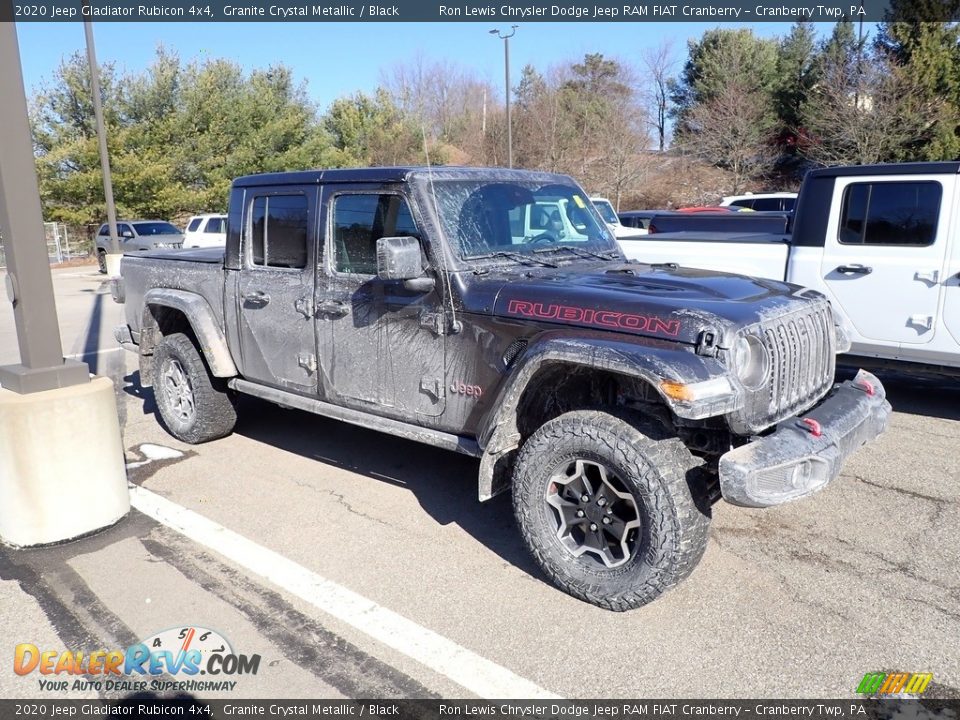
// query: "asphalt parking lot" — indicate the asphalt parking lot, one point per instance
point(357, 564)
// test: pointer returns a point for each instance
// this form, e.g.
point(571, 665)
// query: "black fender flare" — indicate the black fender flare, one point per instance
point(650, 360)
point(203, 322)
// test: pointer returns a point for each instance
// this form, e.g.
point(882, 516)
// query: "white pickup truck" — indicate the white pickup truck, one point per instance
point(882, 242)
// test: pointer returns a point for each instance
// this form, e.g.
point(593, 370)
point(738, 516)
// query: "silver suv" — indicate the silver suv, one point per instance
point(138, 235)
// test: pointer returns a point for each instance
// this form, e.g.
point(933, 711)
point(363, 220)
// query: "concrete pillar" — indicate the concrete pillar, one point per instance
point(62, 472)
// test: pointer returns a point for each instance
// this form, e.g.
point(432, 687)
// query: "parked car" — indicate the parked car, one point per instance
point(639, 220)
point(880, 241)
point(712, 209)
point(609, 215)
point(779, 201)
point(616, 401)
point(206, 231)
point(137, 236)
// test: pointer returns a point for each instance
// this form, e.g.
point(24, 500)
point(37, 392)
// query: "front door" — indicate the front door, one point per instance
point(381, 344)
point(884, 255)
point(275, 289)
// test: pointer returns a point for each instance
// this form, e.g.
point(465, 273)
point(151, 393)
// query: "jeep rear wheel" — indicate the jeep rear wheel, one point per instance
point(195, 406)
point(606, 503)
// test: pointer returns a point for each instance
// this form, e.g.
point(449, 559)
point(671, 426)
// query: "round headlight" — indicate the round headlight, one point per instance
point(750, 361)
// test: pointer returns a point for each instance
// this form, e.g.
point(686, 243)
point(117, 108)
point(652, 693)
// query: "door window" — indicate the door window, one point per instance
point(362, 219)
point(278, 231)
point(890, 213)
point(194, 224)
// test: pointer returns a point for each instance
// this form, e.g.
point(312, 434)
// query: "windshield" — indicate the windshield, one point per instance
point(606, 211)
point(155, 228)
point(484, 218)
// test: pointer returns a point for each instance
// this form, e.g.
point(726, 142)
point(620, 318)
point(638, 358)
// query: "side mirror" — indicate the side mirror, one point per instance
point(127, 234)
point(401, 258)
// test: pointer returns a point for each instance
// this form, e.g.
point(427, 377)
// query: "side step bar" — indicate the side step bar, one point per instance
point(446, 441)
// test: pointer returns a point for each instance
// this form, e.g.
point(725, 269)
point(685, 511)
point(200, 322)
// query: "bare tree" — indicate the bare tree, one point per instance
point(866, 114)
point(733, 130)
point(658, 64)
point(452, 105)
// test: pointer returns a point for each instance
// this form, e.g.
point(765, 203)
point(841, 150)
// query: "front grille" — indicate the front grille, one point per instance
point(802, 349)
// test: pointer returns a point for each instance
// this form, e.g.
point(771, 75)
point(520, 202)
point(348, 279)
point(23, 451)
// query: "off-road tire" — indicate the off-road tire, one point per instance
point(654, 467)
point(102, 261)
point(214, 405)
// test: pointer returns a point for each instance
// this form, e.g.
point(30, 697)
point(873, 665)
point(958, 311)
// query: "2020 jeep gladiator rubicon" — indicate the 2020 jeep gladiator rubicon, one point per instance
point(616, 400)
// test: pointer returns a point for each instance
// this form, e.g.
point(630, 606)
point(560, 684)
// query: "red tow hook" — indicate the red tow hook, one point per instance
point(812, 426)
point(866, 386)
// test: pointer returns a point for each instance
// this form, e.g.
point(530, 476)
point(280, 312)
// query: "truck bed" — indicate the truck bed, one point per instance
point(754, 254)
point(213, 255)
point(196, 271)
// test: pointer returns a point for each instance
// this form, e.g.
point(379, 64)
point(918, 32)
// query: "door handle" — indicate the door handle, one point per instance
point(930, 277)
point(333, 308)
point(854, 270)
point(255, 297)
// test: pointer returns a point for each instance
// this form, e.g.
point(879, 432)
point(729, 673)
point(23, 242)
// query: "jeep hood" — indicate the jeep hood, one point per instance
point(653, 301)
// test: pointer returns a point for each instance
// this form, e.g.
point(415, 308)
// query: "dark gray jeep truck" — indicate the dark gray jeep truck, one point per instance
point(490, 312)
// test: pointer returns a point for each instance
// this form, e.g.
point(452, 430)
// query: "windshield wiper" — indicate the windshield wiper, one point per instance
point(582, 252)
point(522, 258)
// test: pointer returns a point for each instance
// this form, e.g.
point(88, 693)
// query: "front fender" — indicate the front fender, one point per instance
point(653, 361)
point(197, 310)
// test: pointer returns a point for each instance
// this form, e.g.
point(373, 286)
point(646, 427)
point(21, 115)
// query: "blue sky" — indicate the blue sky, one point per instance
point(339, 58)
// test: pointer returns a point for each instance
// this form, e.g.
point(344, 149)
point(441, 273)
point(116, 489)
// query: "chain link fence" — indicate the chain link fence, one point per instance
point(62, 245)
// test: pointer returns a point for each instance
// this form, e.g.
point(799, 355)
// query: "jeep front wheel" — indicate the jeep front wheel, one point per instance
point(606, 504)
point(195, 406)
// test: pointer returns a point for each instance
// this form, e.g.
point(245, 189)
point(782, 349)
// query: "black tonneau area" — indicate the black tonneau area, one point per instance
point(715, 237)
point(213, 255)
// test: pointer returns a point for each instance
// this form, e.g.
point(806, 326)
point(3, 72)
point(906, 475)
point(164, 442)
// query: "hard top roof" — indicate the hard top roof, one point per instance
point(389, 174)
point(913, 168)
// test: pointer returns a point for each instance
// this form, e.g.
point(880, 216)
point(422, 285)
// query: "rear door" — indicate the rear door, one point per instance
point(884, 254)
point(275, 291)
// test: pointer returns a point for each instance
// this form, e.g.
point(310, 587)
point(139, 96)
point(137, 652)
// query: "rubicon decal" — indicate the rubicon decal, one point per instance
point(599, 318)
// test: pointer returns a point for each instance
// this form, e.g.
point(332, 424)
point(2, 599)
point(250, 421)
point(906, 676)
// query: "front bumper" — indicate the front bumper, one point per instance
point(805, 453)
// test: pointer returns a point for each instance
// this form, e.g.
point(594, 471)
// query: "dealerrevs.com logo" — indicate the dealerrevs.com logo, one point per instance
point(171, 660)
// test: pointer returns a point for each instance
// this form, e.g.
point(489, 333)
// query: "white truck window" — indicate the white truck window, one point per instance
point(890, 213)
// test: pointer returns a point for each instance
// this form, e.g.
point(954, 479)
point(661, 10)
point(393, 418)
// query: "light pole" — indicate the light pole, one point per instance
point(102, 138)
point(506, 76)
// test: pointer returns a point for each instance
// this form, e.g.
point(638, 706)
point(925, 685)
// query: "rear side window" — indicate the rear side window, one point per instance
point(765, 204)
point(215, 225)
point(743, 203)
point(890, 213)
point(278, 231)
point(194, 224)
point(359, 221)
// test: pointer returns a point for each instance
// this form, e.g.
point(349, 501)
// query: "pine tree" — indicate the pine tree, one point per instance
point(918, 37)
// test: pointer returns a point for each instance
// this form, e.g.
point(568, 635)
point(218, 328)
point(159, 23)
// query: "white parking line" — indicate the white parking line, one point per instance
point(477, 674)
